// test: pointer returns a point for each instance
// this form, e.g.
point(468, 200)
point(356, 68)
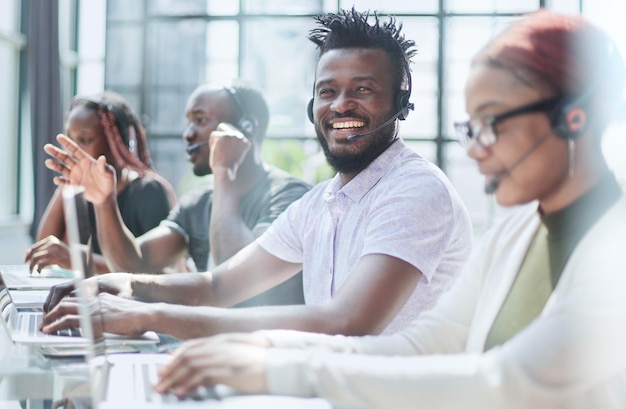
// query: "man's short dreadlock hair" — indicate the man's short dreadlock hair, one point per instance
point(350, 29)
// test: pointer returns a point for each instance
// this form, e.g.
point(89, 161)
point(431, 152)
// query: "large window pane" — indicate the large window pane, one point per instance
point(278, 57)
point(389, 6)
point(282, 7)
point(193, 7)
point(491, 6)
point(9, 16)
point(124, 10)
point(465, 36)
point(124, 56)
point(422, 122)
point(91, 47)
point(222, 51)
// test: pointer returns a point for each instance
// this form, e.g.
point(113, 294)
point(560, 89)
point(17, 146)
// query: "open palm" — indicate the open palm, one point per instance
point(77, 167)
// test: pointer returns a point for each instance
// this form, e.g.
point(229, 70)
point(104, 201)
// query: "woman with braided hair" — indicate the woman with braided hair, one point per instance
point(105, 125)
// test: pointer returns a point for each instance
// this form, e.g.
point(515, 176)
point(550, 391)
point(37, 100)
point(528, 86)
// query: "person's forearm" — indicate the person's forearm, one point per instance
point(194, 322)
point(227, 231)
point(52, 223)
point(116, 241)
point(100, 265)
point(193, 289)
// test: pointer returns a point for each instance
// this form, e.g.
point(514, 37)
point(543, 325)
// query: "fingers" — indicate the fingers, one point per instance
point(226, 130)
point(39, 260)
point(63, 316)
point(190, 367)
point(103, 167)
point(72, 147)
point(47, 251)
point(63, 167)
point(206, 362)
point(64, 157)
point(225, 127)
point(56, 294)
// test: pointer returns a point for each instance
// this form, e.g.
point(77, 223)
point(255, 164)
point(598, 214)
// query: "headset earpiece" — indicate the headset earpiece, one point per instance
point(246, 126)
point(402, 103)
point(309, 110)
point(570, 118)
point(247, 123)
point(576, 120)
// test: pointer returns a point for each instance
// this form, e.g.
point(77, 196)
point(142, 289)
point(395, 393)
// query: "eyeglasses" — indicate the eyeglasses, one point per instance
point(483, 129)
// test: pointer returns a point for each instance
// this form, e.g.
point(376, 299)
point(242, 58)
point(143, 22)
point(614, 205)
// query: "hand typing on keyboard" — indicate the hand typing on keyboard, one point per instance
point(109, 313)
point(235, 360)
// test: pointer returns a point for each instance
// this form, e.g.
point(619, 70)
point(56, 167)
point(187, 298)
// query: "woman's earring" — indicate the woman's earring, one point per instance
point(571, 147)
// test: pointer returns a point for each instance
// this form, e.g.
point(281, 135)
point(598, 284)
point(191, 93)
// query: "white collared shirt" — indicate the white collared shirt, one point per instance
point(401, 205)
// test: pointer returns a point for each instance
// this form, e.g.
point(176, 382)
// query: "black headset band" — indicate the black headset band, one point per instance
point(246, 122)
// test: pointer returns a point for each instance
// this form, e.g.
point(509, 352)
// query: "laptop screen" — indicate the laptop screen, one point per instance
point(74, 206)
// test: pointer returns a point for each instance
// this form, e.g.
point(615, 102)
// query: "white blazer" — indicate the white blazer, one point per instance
point(572, 356)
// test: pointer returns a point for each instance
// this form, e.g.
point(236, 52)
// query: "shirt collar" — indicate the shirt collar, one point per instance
point(365, 180)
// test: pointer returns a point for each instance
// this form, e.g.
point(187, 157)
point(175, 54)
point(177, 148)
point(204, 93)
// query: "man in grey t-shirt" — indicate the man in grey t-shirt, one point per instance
point(226, 125)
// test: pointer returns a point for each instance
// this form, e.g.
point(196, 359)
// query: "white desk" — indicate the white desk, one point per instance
point(28, 380)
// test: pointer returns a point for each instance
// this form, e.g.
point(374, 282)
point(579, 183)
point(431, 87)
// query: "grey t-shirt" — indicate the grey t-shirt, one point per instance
point(259, 208)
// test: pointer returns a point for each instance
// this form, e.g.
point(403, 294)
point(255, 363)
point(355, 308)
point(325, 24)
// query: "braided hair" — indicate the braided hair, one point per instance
point(124, 134)
point(122, 129)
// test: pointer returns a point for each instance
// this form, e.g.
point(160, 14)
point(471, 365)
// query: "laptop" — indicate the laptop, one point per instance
point(19, 277)
point(114, 378)
point(30, 290)
point(23, 324)
point(126, 380)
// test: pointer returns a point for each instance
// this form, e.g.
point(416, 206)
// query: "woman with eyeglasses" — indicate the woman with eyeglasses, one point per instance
point(538, 318)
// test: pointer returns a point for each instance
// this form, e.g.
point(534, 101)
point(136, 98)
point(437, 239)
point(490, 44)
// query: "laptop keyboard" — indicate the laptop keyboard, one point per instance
point(150, 377)
point(30, 322)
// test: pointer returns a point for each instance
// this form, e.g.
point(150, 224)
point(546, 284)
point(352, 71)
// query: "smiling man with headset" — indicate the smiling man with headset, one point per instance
point(377, 244)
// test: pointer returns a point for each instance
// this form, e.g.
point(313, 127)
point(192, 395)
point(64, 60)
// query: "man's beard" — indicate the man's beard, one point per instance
point(348, 163)
point(202, 169)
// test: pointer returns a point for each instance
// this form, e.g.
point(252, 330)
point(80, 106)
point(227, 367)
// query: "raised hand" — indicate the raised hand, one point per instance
point(77, 167)
point(228, 147)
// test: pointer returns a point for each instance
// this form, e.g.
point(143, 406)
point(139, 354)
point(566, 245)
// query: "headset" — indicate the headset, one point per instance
point(247, 124)
point(569, 118)
point(401, 102)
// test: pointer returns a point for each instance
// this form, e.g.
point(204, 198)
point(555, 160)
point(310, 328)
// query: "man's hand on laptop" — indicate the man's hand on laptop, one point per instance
point(116, 284)
point(57, 293)
point(235, 360)
point(109, 313)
